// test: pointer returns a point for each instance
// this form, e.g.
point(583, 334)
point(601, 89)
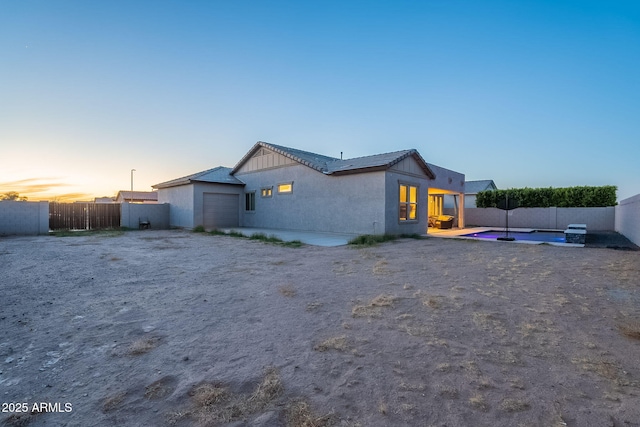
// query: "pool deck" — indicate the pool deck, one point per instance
point(458, 233)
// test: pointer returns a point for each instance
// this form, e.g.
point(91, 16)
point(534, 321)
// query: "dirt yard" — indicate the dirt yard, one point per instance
point(173, 328)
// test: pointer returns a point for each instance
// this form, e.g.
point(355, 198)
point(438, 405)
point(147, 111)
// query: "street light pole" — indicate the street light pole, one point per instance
point(132, 171)
point(131, 199)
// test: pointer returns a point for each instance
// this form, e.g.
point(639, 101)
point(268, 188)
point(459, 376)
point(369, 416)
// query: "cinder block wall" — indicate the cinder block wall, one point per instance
point(597, 219)
point(131, 213)
point(628, 218)
point(24, 218)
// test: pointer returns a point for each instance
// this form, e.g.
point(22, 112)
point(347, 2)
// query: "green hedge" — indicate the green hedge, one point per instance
point(570, 197)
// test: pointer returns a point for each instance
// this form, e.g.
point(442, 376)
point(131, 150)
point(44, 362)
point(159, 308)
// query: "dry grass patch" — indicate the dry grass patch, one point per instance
point(630, 328)
point(159, 389)
point(478, 402)
point(448, 392)
point(490, 323)
point(336, 343)
point(514, 405)
point(433, 302)
point(268, 390)
point(443, 367)
point(374, 308)
point(604, 368)
point(383, 408)
point(19, 419)
point(209, 394)
point(287, 290)
point(299, 414)
point(213, 404)
point(143, 345)
point(380, 268)
point(411, 387)
point(111, 403)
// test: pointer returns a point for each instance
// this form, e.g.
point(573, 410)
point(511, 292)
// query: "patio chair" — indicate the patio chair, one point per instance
point(444, 221)
point(143, 223)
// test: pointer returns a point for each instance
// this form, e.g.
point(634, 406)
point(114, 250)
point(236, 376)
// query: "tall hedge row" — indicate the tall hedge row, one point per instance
point(570, 197)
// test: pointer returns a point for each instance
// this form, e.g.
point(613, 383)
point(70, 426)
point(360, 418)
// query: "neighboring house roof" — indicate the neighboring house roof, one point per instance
point(137, 195)
point(474, 187)
point(218, 175)
point(333, 166)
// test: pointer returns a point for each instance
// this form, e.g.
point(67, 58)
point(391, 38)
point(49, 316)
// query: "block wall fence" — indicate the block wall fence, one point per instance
point(32, 218)
point(628, 218)
point(24, 218)
point(132, 213)
point(597, 219)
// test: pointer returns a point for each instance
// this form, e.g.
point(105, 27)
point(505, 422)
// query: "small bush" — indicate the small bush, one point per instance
point(216, 232)
point(198, 229)
point(412, 236)
point(372, 239)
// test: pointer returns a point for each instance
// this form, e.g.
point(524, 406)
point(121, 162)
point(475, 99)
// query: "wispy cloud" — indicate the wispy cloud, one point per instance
point(45, 188)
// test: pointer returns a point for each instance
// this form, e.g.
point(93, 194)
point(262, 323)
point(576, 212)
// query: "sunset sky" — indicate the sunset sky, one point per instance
point(527, 93)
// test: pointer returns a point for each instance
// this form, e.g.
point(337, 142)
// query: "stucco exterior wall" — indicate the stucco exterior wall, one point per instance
point(446, 179)
point(24, 218)
point(345, 204)
point(180, 199)
point(393, 225)
point(597, 219)
point(628, 218)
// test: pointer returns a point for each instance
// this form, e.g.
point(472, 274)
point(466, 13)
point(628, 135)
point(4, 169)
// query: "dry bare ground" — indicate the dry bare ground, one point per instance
point(171, 328)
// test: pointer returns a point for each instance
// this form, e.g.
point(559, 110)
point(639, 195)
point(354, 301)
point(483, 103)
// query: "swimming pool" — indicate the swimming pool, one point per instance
point(533, 236)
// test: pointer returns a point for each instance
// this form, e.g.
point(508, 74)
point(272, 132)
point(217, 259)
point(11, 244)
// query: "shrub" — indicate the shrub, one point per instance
point(569, 197)
point(198, 229)
point(372, 239)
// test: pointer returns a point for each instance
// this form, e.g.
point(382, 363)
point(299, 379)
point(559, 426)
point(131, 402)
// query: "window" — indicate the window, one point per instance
point(250, 201)
point(285, 188)
point(266, 192)
point(408, 202)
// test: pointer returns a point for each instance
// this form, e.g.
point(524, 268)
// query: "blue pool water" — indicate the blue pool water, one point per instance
point(534, 236)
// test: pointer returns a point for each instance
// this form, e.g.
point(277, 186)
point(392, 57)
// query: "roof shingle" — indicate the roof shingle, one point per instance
point(219, 175)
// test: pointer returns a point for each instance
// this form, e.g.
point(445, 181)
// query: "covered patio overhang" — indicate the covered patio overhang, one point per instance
point(446, 202)
point(446, 197)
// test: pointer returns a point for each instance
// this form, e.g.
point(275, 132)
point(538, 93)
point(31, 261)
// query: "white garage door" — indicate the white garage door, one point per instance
point(220, 210)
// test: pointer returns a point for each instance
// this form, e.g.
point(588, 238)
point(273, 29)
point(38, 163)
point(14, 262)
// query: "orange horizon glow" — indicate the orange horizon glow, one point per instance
point(43, 189)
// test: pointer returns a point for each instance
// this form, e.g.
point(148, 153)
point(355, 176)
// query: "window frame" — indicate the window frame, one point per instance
point(250, 201)
point(289, 183)
point(266, 192)
point(406, 206)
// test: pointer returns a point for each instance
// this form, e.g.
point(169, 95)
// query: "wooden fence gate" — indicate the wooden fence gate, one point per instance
point(83, 216)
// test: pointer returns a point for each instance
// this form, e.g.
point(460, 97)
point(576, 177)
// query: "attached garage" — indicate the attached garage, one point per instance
point(220, 210)
point(209, 199)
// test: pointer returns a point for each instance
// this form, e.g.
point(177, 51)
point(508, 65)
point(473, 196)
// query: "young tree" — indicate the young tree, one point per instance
point(12, 195)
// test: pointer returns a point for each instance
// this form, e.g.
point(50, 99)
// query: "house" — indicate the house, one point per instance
point(472, 188)
point(104, 200)
point(137, 196)
point(286, 188)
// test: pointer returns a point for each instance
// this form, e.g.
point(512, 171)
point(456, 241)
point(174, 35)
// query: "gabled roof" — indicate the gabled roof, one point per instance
point(333, 166)
point(219, 175)
point(377, 162)
point(312, 160)
point(474, 187)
